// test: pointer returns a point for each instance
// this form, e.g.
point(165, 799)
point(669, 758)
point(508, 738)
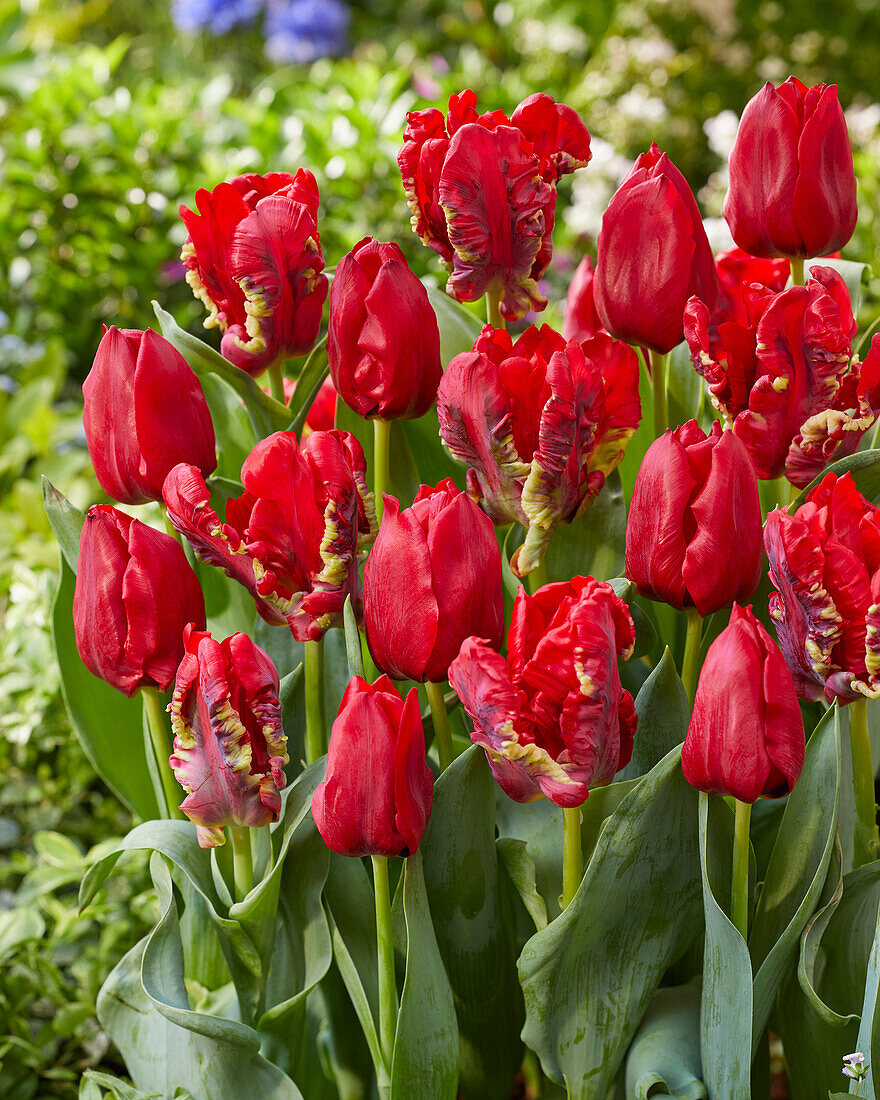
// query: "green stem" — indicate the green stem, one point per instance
point(314, 691)
point(493, 307)
point(690, 664)
point(538, 577)
point(572, 856)
point(797, 272)
point(160, 736)
point(658, 382)
point(385, 952)
point(442, 733)
point(276, 382)
point(739, 887)
point(242, 860)
point(381, 452)
point(173, 532)
point(865, 838)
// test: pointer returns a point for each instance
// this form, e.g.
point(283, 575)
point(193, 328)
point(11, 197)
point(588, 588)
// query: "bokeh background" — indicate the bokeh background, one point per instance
point(112, 113)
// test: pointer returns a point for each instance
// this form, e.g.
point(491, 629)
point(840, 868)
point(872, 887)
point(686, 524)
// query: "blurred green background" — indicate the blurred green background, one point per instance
point(110, 117)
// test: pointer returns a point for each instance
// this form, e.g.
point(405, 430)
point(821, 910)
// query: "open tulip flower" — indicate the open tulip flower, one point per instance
point(783, 376)
point(229, 745)
point(294, 537)
point(553, 717)
point(254, 259)
point(482, 191)
point(792, 186)
point(541, 423)
point(737, 271)
point(825, 568)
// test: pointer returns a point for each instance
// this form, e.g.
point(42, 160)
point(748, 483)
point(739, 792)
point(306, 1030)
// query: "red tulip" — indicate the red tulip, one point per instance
point(693, 535)
point(229, 745)
point(737, 271)
point(383, 342)
point(746, 735)
point(376, 799)
point(144, 413)
point(432, 579)
point(482, 190)
point(825, 567)
point(653, 255)
point(254, 259)
point(581, 319)
point(294, 536)
point(541, 423)
point(553, 718)
point(135, 592)
point(783, 377)
point(792, 186)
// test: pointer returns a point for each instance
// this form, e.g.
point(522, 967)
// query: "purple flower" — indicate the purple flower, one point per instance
point(217, 16)
point(299, 31)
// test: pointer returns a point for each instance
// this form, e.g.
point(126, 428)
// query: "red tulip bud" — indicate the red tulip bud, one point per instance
point(144, 413)
point(135, 592)
point(376, 799)
point(746, 736)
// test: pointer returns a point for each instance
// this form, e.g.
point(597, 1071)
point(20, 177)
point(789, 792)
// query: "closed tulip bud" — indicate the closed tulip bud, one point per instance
point(825, 569)
point(229, 745)
point(482, 191)
point(253, 257)
point(383, 342)
point(693, 536)
point(432, 579)
point(792, 186)
point(746, 735)
point(376, 799)
point(653, 254)
point(553, 717)
point(581, 319)
point(135, 592)
point(144, 413)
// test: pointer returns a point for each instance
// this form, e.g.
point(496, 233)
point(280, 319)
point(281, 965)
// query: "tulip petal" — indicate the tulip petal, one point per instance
point(413, 779)
point(824, 200)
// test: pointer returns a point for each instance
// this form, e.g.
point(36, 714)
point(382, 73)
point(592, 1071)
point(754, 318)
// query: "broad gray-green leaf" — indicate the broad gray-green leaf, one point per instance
point(594, 544)
point(426, 1047)
point(459, 328)
point(66, 521)
point(590, 974)
point(811, 942)
point(311, 379)
point(685, 390)
point(869, 1028)
point(473, 926)
point(664, 1058)
point(521, 868)
point(233, 429)
point(663, 711)
point(18, 925)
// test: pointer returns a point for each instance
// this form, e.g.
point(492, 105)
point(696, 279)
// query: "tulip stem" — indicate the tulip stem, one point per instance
point(797, 272)
point(160, 730)
point(691, 663)
point(381, 455)
point(865, 839)
point(276, 382)
point(739, 886)
point(493, 307)
point(658, 382)
point(572, 855)
point(314, 692)
point(442, 733)
point(385, 952)
point(242, 860)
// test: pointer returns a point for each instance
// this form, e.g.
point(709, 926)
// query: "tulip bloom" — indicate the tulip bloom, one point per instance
point(432, 579)
point(746, 735)
point(825, 568)
point(737, 271)
point(693, 535)
point(553, 718)
point(783, 377)
point(653, 254)
point(482, 191)
point(376, 799)
point(253, 257)
point(581, 319)
point(293, 538)
point(135, 592)
point(792, 186)
point(541, 423)
point(144, 413)
point(383, 342)
point(229, 745)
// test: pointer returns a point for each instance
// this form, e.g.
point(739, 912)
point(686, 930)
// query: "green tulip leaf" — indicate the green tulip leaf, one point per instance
point(66, 521)
point(590, 974)
point(523, 874)
point(868, 1041)
point(426, 1043)
point(473, 925)
point(592, 545)
point(664, 713)
point(431, 458)
point(311, 378)
point(643, 438)
point(233, 429)
point(811, 942)
point(686, 392)
point(459, 327)
point(664, 1057)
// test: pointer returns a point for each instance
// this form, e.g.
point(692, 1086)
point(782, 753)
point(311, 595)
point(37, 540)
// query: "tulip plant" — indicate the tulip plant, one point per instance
point(580, 656)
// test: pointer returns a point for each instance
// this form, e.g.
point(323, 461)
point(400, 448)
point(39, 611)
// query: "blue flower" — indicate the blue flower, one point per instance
point(304, 30)
point(217, 16)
